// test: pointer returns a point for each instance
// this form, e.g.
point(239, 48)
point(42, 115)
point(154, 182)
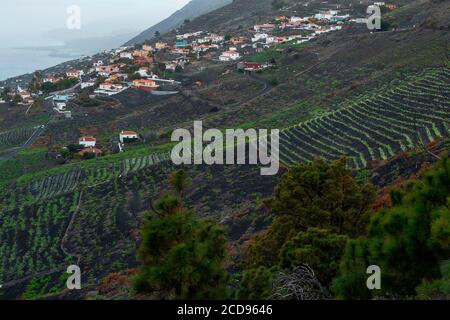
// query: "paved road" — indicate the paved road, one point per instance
point(36, 134)
point(66, 91)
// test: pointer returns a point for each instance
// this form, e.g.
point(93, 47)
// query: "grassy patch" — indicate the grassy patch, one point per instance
point(25, 161)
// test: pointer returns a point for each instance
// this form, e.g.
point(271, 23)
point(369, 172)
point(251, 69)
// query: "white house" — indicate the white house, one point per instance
point(272, 40)
point(298, 19)
point(73, 74)
point(87, 141)
point(147, 47)
point(108, 88)
point(119, 50)
point(229, 56)
point(213, 38)
point(327, 15)
point(126, 55)
point(87, 84)
point(60, 106)
point(127, 135)
point(143, 72)
point(171, 66)
point(259, 36)
point(98, 63)
point(264, 27)
point(111, 86)
point(51, 79)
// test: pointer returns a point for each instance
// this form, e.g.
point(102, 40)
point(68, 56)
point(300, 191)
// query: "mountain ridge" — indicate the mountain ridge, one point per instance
point(193, 9)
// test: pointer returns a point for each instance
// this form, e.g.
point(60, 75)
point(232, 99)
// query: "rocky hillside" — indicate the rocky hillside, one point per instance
point(192, 10)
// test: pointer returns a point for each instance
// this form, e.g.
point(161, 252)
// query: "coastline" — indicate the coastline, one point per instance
point(16, 62)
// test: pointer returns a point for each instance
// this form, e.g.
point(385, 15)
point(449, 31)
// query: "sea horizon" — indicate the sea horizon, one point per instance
point(19, 61)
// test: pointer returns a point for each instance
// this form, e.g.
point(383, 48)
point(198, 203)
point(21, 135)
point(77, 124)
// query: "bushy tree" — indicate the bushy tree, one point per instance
point(183, 257)
point(319, 249)
point(17, 99)
point(324, 195)
point(256, 284)
point(406, 241)
point(317, 207)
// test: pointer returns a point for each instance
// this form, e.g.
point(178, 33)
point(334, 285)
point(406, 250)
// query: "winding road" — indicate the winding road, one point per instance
point(36, 134)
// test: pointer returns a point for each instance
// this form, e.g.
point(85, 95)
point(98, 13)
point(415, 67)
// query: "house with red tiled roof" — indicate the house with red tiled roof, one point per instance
point(229, 55)
point(73, 74)
point(91, 150)
point(87, 141)
point(145, 84)
point(140, 61)
point(51, 79)
point(106, 71)
point(127, 135)
point(264, 27)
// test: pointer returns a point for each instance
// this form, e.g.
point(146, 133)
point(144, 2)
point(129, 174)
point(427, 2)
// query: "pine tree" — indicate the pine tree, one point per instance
point(183, 257)
point(407, 241)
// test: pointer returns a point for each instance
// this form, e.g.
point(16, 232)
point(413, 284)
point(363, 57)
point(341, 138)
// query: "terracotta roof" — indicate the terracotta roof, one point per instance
point(146, 81)
point(128, 133)
point(97, 151)
point(88, 139)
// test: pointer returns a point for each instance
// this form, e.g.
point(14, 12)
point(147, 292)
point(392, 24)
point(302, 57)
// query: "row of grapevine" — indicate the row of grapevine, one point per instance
point(69, 181)
point(375, 127)
point(57, 184)
point(136, 164)
point(15, 138)
point(30, 237)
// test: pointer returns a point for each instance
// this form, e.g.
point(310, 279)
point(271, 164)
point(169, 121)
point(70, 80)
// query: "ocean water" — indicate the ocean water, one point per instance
point(15, 62)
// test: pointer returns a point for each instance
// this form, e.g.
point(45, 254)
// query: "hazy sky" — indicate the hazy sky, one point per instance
point(39, 22)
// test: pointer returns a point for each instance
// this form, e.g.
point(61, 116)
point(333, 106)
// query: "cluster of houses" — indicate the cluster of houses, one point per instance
point(389, 6)
point(26, 97)
point(111, 75)
point(89, 143)
point(19, 96)
point(226, 48)
point(141, 66)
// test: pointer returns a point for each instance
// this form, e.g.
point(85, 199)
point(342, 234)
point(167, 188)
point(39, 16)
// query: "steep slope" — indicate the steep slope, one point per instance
point(192, 10)
point(105, 197)
point(240, 13)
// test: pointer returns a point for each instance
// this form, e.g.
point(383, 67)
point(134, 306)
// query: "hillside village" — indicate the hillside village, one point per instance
point(153, 66)
point(85, 146)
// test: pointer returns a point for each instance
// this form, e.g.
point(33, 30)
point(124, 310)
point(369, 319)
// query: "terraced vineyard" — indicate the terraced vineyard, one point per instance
point(66, 182)
point(35, 233)
point(15, 138)
point(104, 231)
point(35, 216)
point(375, 127)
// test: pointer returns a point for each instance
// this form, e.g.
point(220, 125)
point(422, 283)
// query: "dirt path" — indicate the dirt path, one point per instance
point(28, 109)
point(66, 234)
